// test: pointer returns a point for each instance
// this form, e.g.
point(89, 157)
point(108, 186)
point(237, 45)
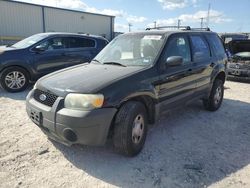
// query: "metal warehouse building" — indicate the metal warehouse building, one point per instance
point(19, 20)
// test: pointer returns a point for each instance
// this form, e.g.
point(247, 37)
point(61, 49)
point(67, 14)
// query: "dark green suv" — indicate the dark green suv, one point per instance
point(129, 84)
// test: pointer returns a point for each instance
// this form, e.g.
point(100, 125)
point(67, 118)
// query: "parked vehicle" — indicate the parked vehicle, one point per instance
point(43, 53)
point(227, 37)
point(239, 64)
point(136, 78)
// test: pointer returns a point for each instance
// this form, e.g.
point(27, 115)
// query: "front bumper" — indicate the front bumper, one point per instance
point(242, 73)
point(70, 126)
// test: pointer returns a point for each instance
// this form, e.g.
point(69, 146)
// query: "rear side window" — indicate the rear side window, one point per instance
point(217, 46)
point(77, 42)
point(200, 48)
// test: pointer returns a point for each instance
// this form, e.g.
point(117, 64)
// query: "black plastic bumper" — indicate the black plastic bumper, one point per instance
point(71, 126)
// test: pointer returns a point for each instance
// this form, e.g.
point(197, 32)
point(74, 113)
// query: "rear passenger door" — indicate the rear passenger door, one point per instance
point(218, 50)
point(80, 50)
point(202, 62)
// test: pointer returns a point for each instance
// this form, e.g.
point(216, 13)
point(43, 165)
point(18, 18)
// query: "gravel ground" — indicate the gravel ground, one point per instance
point(190, 147)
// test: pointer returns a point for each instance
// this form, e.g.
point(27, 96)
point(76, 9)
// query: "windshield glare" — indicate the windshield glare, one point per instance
point(132, 50)
point(29, 41)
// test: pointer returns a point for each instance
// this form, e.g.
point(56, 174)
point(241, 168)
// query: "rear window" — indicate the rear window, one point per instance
point(77, 42)
point(217, 45)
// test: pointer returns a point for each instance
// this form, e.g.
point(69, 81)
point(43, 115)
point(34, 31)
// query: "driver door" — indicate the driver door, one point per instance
point(177, 83)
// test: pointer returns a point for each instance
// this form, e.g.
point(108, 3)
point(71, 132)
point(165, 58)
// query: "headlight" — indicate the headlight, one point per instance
point(83, 101)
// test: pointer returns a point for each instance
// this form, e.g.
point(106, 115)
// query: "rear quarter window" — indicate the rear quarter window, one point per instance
point(102, 43)
point(216, 45)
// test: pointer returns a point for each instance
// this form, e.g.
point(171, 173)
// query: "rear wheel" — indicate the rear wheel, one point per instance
point(214, 101)
point(14, 79)
point(130, 128)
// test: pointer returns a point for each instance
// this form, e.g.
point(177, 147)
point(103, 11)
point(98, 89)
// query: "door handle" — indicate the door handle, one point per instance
point(190, 70)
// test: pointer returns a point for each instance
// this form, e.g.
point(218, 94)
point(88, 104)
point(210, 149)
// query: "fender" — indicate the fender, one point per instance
point(21, 64)
point(217, 70)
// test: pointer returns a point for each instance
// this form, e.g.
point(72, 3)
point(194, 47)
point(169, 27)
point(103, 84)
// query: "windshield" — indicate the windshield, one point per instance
point(131, 50)
point(29, 41)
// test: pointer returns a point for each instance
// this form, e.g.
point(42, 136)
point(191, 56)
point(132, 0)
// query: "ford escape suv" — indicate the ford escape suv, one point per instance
point(43, 53)
point(129, 84)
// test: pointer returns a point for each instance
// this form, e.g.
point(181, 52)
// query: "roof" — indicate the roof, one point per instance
point(24, 3)
point(71, 34)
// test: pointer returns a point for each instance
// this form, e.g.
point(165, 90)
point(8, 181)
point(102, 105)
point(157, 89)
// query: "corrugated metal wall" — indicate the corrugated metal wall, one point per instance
point(68, 21)
point(19, 20)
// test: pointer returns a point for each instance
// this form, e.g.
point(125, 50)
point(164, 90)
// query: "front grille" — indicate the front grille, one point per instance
point(49, 99)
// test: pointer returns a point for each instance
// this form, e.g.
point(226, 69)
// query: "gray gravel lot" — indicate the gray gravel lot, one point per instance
point(190, 147)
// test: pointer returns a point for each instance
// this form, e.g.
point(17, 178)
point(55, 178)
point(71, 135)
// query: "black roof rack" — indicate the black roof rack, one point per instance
point(178, 27)
point(201, 29)
point(169, 27)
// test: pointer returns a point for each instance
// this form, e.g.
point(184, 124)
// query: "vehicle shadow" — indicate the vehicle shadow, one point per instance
point(190, 147)
point(15, 96)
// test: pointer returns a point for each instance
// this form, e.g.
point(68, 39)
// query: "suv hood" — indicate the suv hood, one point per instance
point(86, 78)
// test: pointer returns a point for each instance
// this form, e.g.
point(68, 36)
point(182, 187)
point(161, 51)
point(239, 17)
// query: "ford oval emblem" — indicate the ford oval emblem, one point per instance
point(42, 97)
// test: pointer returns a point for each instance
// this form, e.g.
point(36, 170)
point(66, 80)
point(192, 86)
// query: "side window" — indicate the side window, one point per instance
point(77, 42)
point(200, 48)
point(217, 45)
point(53, 44)
point(179, 46)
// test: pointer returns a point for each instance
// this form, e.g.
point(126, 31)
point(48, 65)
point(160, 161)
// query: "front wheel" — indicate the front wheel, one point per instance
point(14, 79)
point(130, 128)
point(215, 99)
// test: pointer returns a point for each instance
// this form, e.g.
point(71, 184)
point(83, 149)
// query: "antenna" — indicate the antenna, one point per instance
point(208, 14)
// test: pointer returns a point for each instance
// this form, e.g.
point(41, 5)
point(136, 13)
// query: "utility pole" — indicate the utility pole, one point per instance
point(179, 23)
point(208, 14)
point(129, 27)
point(155, 24)
point(202, 22)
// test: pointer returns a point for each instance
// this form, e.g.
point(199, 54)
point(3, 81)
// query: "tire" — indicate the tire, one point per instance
point(215, 99)
point(130, 129)
point(14, 79)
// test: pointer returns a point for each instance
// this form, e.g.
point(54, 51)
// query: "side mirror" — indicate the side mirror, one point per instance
point(174, 61)
point(39, 49)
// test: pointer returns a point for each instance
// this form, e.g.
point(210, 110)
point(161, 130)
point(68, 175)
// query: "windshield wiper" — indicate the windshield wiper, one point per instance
point(114, 63)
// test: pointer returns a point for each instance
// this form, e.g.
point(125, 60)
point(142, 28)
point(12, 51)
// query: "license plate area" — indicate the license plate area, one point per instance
point(36, 117)
point(236, 72)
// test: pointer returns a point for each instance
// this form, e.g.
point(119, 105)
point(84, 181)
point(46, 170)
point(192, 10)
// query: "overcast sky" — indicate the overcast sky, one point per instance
point(225, 15)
